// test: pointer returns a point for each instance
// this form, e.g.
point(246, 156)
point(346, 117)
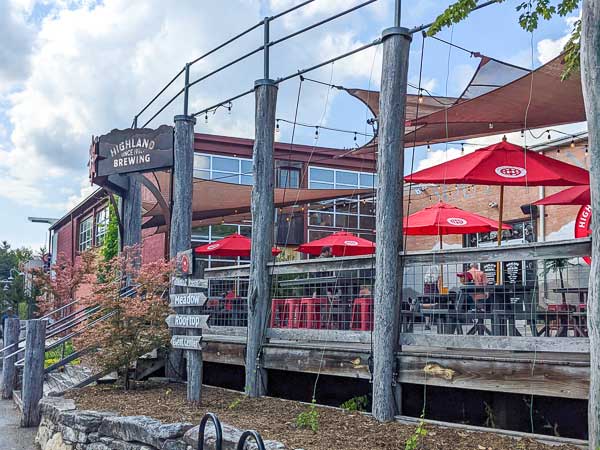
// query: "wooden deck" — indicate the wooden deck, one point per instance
point(563, 375)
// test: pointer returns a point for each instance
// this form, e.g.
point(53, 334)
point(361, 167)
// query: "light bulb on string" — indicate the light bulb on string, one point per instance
point(491, 126)
point(355, 136)
point(572, 142)
point(420, 95)
point(586, 148)
point(316, 133)
point(557, 149)
point(229, 108)
point(549, 137)
point(277, 127)
point(522, 133)
point(462, 148)
point(206, 117)
point(428, 147)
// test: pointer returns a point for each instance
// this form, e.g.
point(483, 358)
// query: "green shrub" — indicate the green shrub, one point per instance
point(309, 419)
point(415, 440)
point(356, 403)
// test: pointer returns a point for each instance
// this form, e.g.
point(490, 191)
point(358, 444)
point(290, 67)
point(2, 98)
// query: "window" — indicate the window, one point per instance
point(85, 233)
point(101, 226)
point(288, 177)
point(223, 168)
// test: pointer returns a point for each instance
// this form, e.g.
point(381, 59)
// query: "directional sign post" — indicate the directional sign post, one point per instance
point(187, 342)
point(189, 282)
point(187, 299)
point(188, 321)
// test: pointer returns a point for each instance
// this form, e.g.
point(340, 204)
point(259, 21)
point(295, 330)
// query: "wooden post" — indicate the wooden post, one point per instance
point(263, 211)
point(195, 366)
point(33, 372)
point(12, 330)
point(590, 81)
point(388, 262)
point(180, 237)
point(132, 214)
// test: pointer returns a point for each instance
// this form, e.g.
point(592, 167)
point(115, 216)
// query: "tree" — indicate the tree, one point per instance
point(60, 285)
point(137, 324)
point(582, 50)
point(110, 246)
point(12, 259)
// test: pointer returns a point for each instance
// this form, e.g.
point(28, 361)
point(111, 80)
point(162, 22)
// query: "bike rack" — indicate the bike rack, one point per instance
point(247, 434)
point(218, 431)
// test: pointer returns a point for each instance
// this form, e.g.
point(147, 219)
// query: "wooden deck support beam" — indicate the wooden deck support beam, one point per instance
point(33, 372)
point(12, 330)
point(388, 259)
point(263, 211)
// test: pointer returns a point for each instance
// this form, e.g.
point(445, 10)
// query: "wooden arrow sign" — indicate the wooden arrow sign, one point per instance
point(188, 321)
point(189, 299)
point(190, 282)
point(187, 342)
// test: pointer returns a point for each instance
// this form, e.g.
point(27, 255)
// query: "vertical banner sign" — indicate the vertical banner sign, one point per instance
point(583, 226)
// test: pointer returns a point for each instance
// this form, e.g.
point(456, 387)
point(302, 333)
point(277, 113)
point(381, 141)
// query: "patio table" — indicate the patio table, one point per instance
point(581, 291)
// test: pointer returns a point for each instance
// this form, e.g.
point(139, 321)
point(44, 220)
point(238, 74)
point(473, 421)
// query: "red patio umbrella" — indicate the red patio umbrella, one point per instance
point(577, 195)
point(342, 243)
point(443, 219)
point(503, 164)
point(233, 245)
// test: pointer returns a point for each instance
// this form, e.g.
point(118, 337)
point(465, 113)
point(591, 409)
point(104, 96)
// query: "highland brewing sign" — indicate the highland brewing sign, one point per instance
point(133, 150)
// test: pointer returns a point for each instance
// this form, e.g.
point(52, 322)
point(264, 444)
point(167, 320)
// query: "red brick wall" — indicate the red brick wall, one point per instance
point(153, 247)
point(64, 241)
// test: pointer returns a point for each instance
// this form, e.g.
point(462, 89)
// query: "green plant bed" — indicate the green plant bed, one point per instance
point(55, 355)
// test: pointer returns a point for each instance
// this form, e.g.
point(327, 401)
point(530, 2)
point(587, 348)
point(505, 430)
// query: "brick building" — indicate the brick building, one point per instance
point(229, 160)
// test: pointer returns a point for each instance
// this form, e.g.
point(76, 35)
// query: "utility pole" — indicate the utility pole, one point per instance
point(389, 215)
point(263, 211)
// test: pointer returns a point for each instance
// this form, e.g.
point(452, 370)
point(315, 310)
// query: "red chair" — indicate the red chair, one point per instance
point(277, 312)
point(291, 312)
point(310, 312)
point(362, 314)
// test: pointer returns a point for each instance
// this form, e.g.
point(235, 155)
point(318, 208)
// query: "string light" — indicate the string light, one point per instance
point(462, 148)
point(549, 137)
point(229, 108)
point(355, 136)
point(277, 127)
point(491, 126)
point(316, 133)
point(586, 148)
point(420, 96)
point(572, 142)
point(522, 133)
point(206, 117)
point(428, 147)
point(557, 149)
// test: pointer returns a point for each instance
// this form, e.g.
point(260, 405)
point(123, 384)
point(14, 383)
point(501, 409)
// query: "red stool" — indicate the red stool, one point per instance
point(291, 312)
point(277, 312)
point(310, 312)
point(362, 314)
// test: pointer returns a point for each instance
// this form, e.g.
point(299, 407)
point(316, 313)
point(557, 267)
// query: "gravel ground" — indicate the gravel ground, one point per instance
point(276, 419)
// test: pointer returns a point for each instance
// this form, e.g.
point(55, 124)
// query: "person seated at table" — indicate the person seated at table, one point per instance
point(466, 278)
point(364, 291)
point(479, 279)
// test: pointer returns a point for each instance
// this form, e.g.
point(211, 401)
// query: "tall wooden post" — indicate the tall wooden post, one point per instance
point(12, 329)
point(180, 237)
point(195, 365)
point(132, 213)
point(389, 263)
point(590, 81)
point(33, 372)
point(263, 211)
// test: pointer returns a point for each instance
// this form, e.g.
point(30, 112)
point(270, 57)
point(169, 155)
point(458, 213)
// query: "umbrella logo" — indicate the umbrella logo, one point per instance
point(351, 243)
point(511, 171)
point(456, 221)
point(213, 246)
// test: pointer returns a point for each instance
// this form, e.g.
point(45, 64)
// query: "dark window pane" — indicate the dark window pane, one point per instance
point(321, 219)
point(367, 222)
point(343, 221)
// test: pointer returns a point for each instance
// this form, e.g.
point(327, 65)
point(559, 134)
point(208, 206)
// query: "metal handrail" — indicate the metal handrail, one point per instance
point(253, 434)
point(218, 431)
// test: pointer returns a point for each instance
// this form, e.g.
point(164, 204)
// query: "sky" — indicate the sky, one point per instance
point(71, 69)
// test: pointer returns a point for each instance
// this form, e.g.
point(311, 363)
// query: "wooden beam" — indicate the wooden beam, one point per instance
point(132, 214)
point(389, 262)
point(180, 235)
point(512, 343)
point(263, 210)
point(33, 372)
point(590, 83)
point(295, 334)
point(12, 329)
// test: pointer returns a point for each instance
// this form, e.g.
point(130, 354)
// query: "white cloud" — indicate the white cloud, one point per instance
point(549, 49)
point(435, 157)
point(16, 46)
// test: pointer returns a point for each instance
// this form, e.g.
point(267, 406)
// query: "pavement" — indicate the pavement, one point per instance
point(11, 436)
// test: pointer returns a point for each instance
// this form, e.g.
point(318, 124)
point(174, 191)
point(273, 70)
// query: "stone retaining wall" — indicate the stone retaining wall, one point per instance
point(63, 427)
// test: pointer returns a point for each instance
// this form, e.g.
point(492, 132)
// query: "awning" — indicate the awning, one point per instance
point(214, 199)
point(495, 101)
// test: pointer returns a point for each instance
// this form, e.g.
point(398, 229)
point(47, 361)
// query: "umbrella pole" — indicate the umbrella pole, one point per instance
point(500, 213)
point(441, 269)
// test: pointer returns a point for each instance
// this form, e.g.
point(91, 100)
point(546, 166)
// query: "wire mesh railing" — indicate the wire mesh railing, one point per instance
point(537, 291)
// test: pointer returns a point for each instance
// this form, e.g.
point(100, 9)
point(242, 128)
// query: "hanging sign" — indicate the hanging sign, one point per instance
point(489, 269)
point(187, 342)
point(188, 321)
point(184, 262)
point(187, 299)
point(132, 150)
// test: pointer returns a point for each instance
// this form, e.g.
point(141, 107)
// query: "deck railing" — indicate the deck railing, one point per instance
point(539, 303)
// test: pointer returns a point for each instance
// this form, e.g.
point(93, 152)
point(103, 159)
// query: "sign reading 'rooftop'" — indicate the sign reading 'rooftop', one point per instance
point(134, 150)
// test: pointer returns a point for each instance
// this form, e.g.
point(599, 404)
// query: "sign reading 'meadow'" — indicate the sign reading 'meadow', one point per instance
point(189, 299)
point(134, 150)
